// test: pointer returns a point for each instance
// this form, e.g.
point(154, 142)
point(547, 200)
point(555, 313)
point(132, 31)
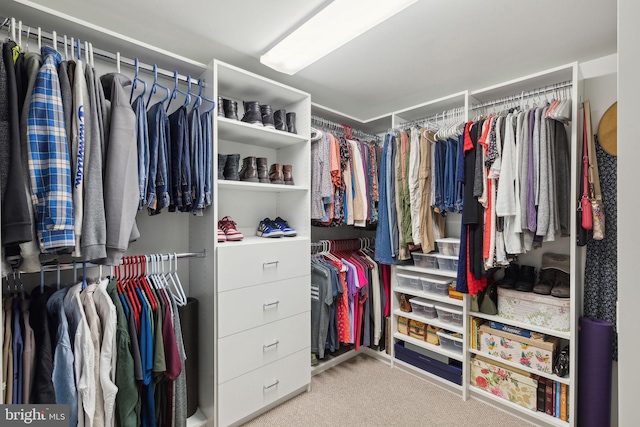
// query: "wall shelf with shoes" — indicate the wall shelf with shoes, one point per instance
point(246, 133)
point(254, 186)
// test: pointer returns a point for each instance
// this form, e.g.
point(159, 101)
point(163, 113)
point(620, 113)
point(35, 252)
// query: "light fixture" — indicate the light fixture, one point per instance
point(338, 23)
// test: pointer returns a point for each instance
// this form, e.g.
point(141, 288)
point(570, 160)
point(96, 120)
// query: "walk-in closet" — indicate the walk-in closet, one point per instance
point(318, 213)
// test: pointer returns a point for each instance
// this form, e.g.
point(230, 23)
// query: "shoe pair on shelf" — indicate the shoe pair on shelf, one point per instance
point(275, 228)
point(553, 277)
point(254, 169)
point(227, 230)
point(260, 115)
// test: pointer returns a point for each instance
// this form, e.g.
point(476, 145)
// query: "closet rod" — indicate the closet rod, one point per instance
point(99, 52)
point(331, 125)
point(442, 116)
point(524, 94)
point(70, 265)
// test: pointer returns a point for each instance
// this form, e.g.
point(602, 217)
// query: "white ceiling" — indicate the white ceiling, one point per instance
point(431, 49)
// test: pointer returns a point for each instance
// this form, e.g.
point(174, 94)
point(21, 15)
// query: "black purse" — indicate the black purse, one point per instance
point(561, 364)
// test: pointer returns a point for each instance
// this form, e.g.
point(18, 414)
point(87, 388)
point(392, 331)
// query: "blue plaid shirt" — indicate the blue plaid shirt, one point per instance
point(49, 165)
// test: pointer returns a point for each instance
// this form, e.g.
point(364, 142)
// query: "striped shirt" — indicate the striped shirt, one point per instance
point(49, 166)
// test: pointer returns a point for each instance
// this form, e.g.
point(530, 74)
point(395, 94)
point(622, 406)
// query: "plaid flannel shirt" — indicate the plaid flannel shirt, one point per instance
point(49, 165)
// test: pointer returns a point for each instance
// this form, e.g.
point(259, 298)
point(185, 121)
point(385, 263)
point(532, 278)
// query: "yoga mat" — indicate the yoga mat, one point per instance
point(594, 372)
point(189, 323)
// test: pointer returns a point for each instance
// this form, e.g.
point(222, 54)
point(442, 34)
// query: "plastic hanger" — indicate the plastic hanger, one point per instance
point(211, 101)
point(137, 79)
point(180, 289)
point(155, 86)
point(145, 283)
point(198, 102)
point(54, 40)
point(175, 92)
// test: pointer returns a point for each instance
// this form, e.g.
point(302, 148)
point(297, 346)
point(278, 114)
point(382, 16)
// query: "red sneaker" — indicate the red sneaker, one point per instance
point(229, 227)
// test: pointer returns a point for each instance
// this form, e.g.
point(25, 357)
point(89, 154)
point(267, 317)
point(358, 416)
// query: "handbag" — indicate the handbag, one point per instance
point(561, 364)
point(405, 305)
point(489, 303)
point(585, 202)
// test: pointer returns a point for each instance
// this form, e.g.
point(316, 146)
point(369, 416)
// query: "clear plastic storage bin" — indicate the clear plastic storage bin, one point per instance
point(435, 286)
point(409, 282)
point(449, 246)
point(450, 342)
point(448, 315)
point(424, 260)
point(448, 263)
point(422, 308)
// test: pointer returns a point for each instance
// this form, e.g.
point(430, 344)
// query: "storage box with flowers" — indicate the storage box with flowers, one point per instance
point(508, 383)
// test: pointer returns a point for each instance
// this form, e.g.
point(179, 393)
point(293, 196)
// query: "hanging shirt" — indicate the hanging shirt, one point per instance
point(180, 161)
point(79, 148)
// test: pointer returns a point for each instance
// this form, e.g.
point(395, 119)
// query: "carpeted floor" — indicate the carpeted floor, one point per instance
point(366, 392)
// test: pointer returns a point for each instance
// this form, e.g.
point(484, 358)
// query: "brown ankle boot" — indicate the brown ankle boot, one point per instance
point(263, 170)
point(249, 171)
point(275, 174)
point(288, 175)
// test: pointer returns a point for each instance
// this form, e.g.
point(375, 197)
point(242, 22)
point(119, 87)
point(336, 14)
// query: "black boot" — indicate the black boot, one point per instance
point(230, 109)
point(267, 116)
point(222, 161)
point(231, 167)
point(249, 171)
point(263, 170)
point(220, 107)
point(526, 278)
point(291, 123)
point(279, 119)
point(252, 113)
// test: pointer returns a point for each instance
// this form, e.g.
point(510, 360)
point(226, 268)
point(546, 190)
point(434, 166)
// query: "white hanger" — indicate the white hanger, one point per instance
point(39, 39)
point(54, 40)
point(20, 34)
point(66, 50)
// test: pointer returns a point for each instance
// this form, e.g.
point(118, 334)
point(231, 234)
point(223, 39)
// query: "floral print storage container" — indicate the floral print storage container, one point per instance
point(507, 383)
point(538, 310)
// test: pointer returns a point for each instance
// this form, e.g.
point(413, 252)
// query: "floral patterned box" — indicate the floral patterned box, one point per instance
point(535, 354)
point(539, 310)
point(507, 383)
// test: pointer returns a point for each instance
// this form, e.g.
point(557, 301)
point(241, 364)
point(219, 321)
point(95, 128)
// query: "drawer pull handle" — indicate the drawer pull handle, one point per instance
point(271, 304)
point(271, 345)
point(267, 264)
point(267, 387)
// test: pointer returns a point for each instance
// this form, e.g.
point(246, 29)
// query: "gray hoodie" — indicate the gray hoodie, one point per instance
point(121, 170)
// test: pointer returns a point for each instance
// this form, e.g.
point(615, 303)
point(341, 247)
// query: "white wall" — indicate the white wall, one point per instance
point(628, 205)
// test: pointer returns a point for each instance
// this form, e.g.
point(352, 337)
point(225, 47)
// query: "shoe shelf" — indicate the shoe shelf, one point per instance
point(245, 133)
point(252, 239)
point(564, 380)
point(433, 271)
point(432, 297)
point(523, 325)
point(435, 348)
point(433, 322)
point(258, 186)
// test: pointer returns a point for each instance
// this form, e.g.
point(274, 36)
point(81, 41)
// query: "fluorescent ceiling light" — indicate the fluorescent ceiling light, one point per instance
point(337, 24)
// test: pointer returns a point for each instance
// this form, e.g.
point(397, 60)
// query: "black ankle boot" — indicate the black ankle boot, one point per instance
point(230, 109)
point(279, 120)
point(252, 113)
point(220, 107)
point(291, 123)
point(526, 278)
point(267, 116)
point(249, 171)
point(231, 167)
point(222, 161)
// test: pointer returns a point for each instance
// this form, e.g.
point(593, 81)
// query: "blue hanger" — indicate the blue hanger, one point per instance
point(78, 49)
point(198, 102)
point(84, 275)
point(213, 104)
point(174, 95)
point(155, 86)
point(136, 79)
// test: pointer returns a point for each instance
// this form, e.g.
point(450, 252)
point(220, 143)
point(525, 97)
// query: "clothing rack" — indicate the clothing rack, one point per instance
point(339, 128)
point(51, 37)
point(449, 114)
point(524, 94)
point(323, 246)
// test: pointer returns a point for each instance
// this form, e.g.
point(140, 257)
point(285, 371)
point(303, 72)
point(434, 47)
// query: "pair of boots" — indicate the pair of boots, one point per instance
point(254, 169)
point(263, 115)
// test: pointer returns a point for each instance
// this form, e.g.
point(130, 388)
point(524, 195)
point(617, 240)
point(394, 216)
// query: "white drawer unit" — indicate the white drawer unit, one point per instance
point(248, 265)
point(250, 392)
point(245, 351)
point(248, 308)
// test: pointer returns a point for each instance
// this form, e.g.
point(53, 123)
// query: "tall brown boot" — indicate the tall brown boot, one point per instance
point(263, 170)
point(275, 174)
point(249, 171)
point(288, 174)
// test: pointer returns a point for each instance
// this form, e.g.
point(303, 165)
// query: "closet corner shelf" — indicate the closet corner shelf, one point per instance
point(245, 133)
point(481, 394)
point(432, 297)
point(433, 271)
point(256, 240)
point(435, 348)
point(433, 322)
point(566, 381)
point(257, 186)
point(541, 329)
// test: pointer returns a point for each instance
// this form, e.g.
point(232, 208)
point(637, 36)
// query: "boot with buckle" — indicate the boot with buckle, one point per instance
point(279, 117)
point(287, 172)
point(249, 171)
point(263, 170)
point(230, 109)
point(231, 167)
point(275, 174)
point(252, 113)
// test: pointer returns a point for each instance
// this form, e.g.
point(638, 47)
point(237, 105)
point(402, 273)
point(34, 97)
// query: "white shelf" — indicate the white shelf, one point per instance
point(435, 348)
point(259, 186)
point(433, 322)
point(541, 329)
point(409, 367)
point(554, 377)
point(197, 420)
point(481, 394)
point(432, 297)
point(256, 240)
point(433, 271)
point(245, 133)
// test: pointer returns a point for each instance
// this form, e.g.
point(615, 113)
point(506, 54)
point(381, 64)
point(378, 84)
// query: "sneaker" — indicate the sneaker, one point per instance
point(284, 227)
point(221, 236)
point(229, 227)
point(268, 228)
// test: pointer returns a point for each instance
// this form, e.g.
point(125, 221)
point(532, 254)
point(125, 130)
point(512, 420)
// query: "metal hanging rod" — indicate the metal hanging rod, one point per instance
point(37, 33)
point(338, 127)
point(524, 94)
point(448, 114)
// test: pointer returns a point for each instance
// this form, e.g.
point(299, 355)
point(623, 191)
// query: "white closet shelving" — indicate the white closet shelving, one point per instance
point(255, 334)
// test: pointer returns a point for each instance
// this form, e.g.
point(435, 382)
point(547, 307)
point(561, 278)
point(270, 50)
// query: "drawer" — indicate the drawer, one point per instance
point(248, 350)
point(247, 394)
point(247, 265)
point(248, 308)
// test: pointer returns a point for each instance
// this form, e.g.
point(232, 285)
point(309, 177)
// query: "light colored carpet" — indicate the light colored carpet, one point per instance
point(366, 392)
